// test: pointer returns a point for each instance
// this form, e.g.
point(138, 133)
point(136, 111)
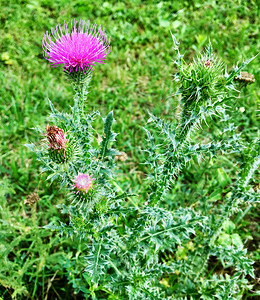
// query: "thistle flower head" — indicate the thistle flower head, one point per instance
point(78, 49)
point(56, 137)
point(83, 182)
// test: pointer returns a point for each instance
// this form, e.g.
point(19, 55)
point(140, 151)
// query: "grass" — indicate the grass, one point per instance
point(136, 78)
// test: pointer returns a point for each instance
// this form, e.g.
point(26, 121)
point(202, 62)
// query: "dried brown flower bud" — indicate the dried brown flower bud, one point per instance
point(57, 143)
point(56, 137)
point(32, 198)
point(121, 157)
point(245, 78)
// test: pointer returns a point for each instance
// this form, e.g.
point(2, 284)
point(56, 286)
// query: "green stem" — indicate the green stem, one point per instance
point(114, 266)
point(170, 169)
point(80, 82)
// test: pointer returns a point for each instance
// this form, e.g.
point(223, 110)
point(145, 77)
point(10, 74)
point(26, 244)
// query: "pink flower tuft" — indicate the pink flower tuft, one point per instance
point(83, 182)
point(208, 62)
point(79, 50)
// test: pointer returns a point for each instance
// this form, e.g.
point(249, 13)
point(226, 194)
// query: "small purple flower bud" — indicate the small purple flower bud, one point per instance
point(83, 182)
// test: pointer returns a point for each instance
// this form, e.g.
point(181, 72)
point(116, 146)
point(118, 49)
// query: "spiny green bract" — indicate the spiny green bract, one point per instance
point(62, 155)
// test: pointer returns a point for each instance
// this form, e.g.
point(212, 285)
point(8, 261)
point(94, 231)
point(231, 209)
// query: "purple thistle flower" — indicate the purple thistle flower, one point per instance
point(79, 50)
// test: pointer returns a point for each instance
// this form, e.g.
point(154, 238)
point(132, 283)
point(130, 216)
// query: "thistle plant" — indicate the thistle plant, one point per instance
point(149, 251)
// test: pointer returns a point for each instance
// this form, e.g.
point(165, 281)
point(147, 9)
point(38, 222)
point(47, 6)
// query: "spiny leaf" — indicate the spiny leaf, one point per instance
point(109, 136)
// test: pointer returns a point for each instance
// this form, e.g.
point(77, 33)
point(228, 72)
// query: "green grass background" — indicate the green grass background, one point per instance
point(136, 78)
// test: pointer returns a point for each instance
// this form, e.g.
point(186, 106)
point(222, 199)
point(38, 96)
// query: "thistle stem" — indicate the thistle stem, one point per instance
point(171, 167)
